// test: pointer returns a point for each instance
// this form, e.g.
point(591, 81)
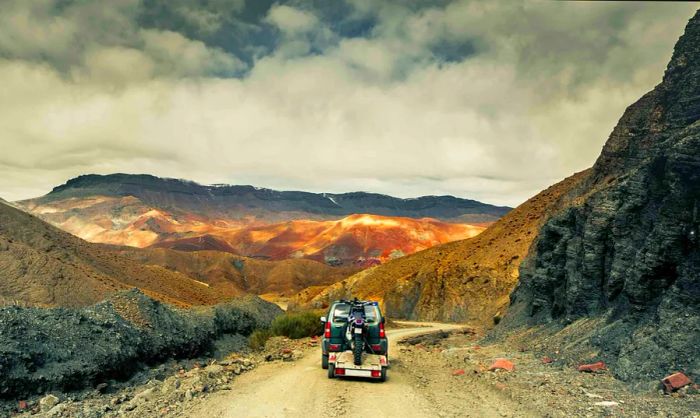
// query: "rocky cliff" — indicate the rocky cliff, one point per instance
point(626, 253)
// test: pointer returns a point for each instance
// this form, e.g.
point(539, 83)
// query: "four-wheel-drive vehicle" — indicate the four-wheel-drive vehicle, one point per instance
point(354, 341)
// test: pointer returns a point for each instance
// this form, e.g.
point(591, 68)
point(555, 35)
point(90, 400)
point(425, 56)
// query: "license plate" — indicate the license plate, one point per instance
point(358, 330)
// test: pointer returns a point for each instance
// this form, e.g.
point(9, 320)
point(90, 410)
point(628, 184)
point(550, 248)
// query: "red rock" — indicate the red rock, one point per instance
point(476, 347)
point(593, 367)
point(502, 364)
point(675, 381)
point(286, 351)
point(547, 360)
point(22, 405)
point(457, 372)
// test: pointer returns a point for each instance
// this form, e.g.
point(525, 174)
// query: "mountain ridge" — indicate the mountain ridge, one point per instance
point(151, 189)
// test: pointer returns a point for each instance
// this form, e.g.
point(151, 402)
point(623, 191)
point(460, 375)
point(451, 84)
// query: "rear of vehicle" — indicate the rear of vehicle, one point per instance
point(335, 344)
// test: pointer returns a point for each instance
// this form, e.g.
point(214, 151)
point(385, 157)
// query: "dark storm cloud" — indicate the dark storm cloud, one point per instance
point(481, 99)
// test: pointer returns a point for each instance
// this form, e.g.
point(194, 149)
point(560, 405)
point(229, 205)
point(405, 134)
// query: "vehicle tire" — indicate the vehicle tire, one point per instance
point(382, 377)
point(324, 361)
point(357, 351)
point(331, 371)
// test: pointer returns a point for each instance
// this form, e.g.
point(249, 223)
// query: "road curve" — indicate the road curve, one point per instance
point(302, 389)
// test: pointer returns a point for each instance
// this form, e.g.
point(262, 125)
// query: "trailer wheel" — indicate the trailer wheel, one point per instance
point(324, 361)
point(331, 371)
point(382, 378)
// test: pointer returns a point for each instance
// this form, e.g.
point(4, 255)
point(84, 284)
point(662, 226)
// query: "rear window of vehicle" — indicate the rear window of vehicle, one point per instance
point(341, 311)
point(372, 314)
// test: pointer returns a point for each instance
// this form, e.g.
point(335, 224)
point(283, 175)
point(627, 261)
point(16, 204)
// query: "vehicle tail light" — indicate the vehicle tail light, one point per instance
point(340, 372)
point(327, 331)
point(382, 333)
point(376, 373)
point(376, 348)
point(334, 347)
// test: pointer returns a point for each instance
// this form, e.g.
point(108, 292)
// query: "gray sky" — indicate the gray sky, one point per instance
point(486, 100)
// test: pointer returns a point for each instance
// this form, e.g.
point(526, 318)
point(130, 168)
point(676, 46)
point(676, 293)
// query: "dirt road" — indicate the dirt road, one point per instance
point(302, 389)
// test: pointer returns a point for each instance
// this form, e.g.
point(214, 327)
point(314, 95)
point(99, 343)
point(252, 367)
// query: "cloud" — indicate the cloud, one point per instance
point(485, 100)
point(291, 20)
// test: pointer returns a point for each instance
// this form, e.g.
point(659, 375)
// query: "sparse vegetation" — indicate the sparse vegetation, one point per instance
point(293, 325)
point(258, 338)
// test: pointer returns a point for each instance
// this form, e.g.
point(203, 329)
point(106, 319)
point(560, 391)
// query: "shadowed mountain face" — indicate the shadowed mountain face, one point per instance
point(463, 280)
point(626, 251)
point(143, 211)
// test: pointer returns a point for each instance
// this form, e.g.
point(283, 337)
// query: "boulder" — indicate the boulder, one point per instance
point(48, 402)
point(675, 381)
point(502, 364)
point(593, 367)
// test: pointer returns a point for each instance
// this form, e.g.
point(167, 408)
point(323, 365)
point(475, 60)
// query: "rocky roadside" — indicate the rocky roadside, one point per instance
point(454, 371)
point(167, 390)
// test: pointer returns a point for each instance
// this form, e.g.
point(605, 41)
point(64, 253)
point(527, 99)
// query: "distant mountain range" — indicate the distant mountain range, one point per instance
point(353, 229)
point(269, 205)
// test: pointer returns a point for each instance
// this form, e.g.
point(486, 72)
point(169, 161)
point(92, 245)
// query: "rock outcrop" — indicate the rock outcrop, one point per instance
point(69, 349)
point(626, 251)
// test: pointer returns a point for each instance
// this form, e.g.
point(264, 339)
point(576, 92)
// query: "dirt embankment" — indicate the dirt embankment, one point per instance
point(452, 370)
point(68, 349)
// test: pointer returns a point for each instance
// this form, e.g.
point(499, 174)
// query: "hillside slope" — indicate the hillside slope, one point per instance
point(44, 266)
point(354, 240)
point(617, 274)
point(246, 275)
point(468, 279)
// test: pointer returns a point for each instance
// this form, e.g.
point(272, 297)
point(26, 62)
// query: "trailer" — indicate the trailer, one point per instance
point(373, 366)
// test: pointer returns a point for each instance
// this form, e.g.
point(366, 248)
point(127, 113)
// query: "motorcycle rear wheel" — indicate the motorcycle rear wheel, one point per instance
point(357, 350)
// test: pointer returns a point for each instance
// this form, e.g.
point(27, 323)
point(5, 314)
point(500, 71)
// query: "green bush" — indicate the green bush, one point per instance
point(292, 325)
point(297, 325)
point(258, 338)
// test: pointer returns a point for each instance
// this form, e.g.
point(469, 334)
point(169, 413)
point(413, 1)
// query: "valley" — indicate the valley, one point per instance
point(136, 295)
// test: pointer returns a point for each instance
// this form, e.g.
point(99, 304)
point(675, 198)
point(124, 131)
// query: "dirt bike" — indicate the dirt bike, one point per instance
point(356, 333)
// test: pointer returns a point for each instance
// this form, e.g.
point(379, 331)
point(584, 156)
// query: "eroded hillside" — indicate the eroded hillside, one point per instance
point(469, 279)
point(45, 266)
